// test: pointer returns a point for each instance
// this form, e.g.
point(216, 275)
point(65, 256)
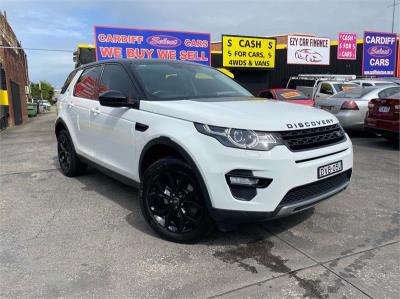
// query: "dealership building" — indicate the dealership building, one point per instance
point(13, 77)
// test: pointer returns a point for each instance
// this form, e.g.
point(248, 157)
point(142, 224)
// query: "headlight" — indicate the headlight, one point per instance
point(238, 138)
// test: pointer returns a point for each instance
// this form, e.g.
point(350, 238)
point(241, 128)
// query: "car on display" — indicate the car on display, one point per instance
point(308, 83)
point(203, 150)
point(308, 55)
point(369, 82)
point(351, 106)
point(326, 89)
point(44, 105)
point(288, 95)
point(383, 117)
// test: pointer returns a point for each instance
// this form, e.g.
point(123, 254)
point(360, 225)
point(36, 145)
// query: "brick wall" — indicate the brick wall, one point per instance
point(15, 66)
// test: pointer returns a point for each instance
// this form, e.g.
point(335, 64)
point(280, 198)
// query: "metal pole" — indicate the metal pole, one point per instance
point(394, 9)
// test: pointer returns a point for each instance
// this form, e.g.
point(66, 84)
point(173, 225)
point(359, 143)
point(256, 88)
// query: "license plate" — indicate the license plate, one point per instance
point(329, 169)
point(384, 109)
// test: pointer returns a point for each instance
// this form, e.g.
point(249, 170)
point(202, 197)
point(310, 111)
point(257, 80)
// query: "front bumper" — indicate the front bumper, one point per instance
point(287, 170)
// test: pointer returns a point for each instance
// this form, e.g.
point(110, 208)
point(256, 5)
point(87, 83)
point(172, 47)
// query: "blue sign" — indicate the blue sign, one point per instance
point(117, 42)
point(379, 54)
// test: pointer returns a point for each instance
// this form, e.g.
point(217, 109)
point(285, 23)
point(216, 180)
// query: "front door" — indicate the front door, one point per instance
point(114, 127)
point(16, 102)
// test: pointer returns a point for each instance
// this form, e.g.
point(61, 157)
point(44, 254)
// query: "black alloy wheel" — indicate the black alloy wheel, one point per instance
point(64, 152)
point(172, 201)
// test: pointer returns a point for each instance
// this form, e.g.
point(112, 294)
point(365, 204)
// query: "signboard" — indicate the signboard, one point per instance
point(248, 52)
point(347, 46)
point(308, 50)
point(379, 54)
point(398, 59)
point(117, 42)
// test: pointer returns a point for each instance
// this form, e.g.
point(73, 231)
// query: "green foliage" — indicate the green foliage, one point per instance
point(44, 91)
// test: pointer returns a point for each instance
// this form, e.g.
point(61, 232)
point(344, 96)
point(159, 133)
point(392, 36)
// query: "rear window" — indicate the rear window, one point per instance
point(288, 94)
point(354, 93)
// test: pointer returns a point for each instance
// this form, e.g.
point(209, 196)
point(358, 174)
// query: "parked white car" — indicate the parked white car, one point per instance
point(369, 82)
point(326, 89)
point(202, 149)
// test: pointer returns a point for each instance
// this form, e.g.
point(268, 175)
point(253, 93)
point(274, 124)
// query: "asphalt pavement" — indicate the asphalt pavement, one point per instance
point(85, 237)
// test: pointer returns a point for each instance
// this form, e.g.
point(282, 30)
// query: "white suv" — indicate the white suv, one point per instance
point(203, 149)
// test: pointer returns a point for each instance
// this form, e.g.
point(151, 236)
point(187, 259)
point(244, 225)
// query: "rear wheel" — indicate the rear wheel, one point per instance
point(69, 162)
point(172, 202)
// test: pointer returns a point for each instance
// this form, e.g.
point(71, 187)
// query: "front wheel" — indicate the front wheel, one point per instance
point(172, 202)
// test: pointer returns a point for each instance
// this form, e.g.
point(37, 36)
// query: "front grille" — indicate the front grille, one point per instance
point(305, 139)
point(312, 190)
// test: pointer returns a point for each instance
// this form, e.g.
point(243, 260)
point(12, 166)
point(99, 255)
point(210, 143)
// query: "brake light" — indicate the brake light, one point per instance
point(349, 105)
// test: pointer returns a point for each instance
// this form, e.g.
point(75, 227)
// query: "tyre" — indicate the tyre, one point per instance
point(172, 202)
point(69, 162)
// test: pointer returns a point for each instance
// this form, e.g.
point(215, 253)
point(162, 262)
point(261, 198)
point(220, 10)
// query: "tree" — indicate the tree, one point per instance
point(44, 91)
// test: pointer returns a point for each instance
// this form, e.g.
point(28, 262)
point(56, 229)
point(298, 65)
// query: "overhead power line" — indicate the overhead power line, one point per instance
point(37, 49)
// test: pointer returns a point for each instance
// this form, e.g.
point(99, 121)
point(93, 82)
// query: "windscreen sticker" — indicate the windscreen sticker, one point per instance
point(344, 87)
point(290, 94)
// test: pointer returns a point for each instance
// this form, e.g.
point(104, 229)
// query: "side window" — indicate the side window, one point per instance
point(388, 92)
point(87, 82)
point(326, 88)
point(115, 78)
point(366, 84)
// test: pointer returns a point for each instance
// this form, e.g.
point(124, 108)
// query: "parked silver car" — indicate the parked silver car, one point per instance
point(351, 106)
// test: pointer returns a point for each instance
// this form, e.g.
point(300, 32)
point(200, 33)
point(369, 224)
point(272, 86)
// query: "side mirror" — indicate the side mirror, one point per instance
point(114, 98)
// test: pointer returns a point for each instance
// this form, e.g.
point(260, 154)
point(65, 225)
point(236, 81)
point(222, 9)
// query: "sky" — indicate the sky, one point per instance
point(64, 24)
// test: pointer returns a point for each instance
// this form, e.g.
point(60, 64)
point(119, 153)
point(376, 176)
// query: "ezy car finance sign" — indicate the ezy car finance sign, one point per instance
point(308, 50)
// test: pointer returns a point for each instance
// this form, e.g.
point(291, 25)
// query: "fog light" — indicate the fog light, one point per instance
point(243, 181)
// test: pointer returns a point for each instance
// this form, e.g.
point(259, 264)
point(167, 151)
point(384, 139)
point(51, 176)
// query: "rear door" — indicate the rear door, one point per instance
point(84, 99)
point(114, 127)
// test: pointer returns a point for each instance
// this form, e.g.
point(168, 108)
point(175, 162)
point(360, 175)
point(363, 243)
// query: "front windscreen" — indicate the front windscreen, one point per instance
point(290, 94)
point(174, 81)
point(344, 86)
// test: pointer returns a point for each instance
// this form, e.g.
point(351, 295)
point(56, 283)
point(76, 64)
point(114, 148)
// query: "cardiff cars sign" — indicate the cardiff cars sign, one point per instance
point(308, 50)
point(379, 54)
point(118, 42)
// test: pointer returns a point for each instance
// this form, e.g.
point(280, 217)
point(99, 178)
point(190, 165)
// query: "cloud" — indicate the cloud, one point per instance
point(65, 24)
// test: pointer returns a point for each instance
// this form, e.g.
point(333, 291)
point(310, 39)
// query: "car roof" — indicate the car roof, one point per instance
point(371, 81)
point(127, 61)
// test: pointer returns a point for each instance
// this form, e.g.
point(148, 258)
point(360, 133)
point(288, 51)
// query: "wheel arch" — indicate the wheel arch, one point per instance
point(163, 147)
point(60, 125)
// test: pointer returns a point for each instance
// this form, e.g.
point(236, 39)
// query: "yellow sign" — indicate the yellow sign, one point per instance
point(248, 52)
point(3, 98)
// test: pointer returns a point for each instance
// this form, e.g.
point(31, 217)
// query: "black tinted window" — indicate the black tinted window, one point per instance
point(115, 78)
point(86, 85)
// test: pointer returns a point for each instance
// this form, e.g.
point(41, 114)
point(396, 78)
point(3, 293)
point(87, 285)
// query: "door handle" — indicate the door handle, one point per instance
point(95, 111)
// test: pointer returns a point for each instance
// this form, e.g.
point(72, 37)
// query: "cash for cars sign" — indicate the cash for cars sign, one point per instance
point(308, 50)
point(116, 42)
point(347, 46)
point(379, 54)
point(248, 52)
